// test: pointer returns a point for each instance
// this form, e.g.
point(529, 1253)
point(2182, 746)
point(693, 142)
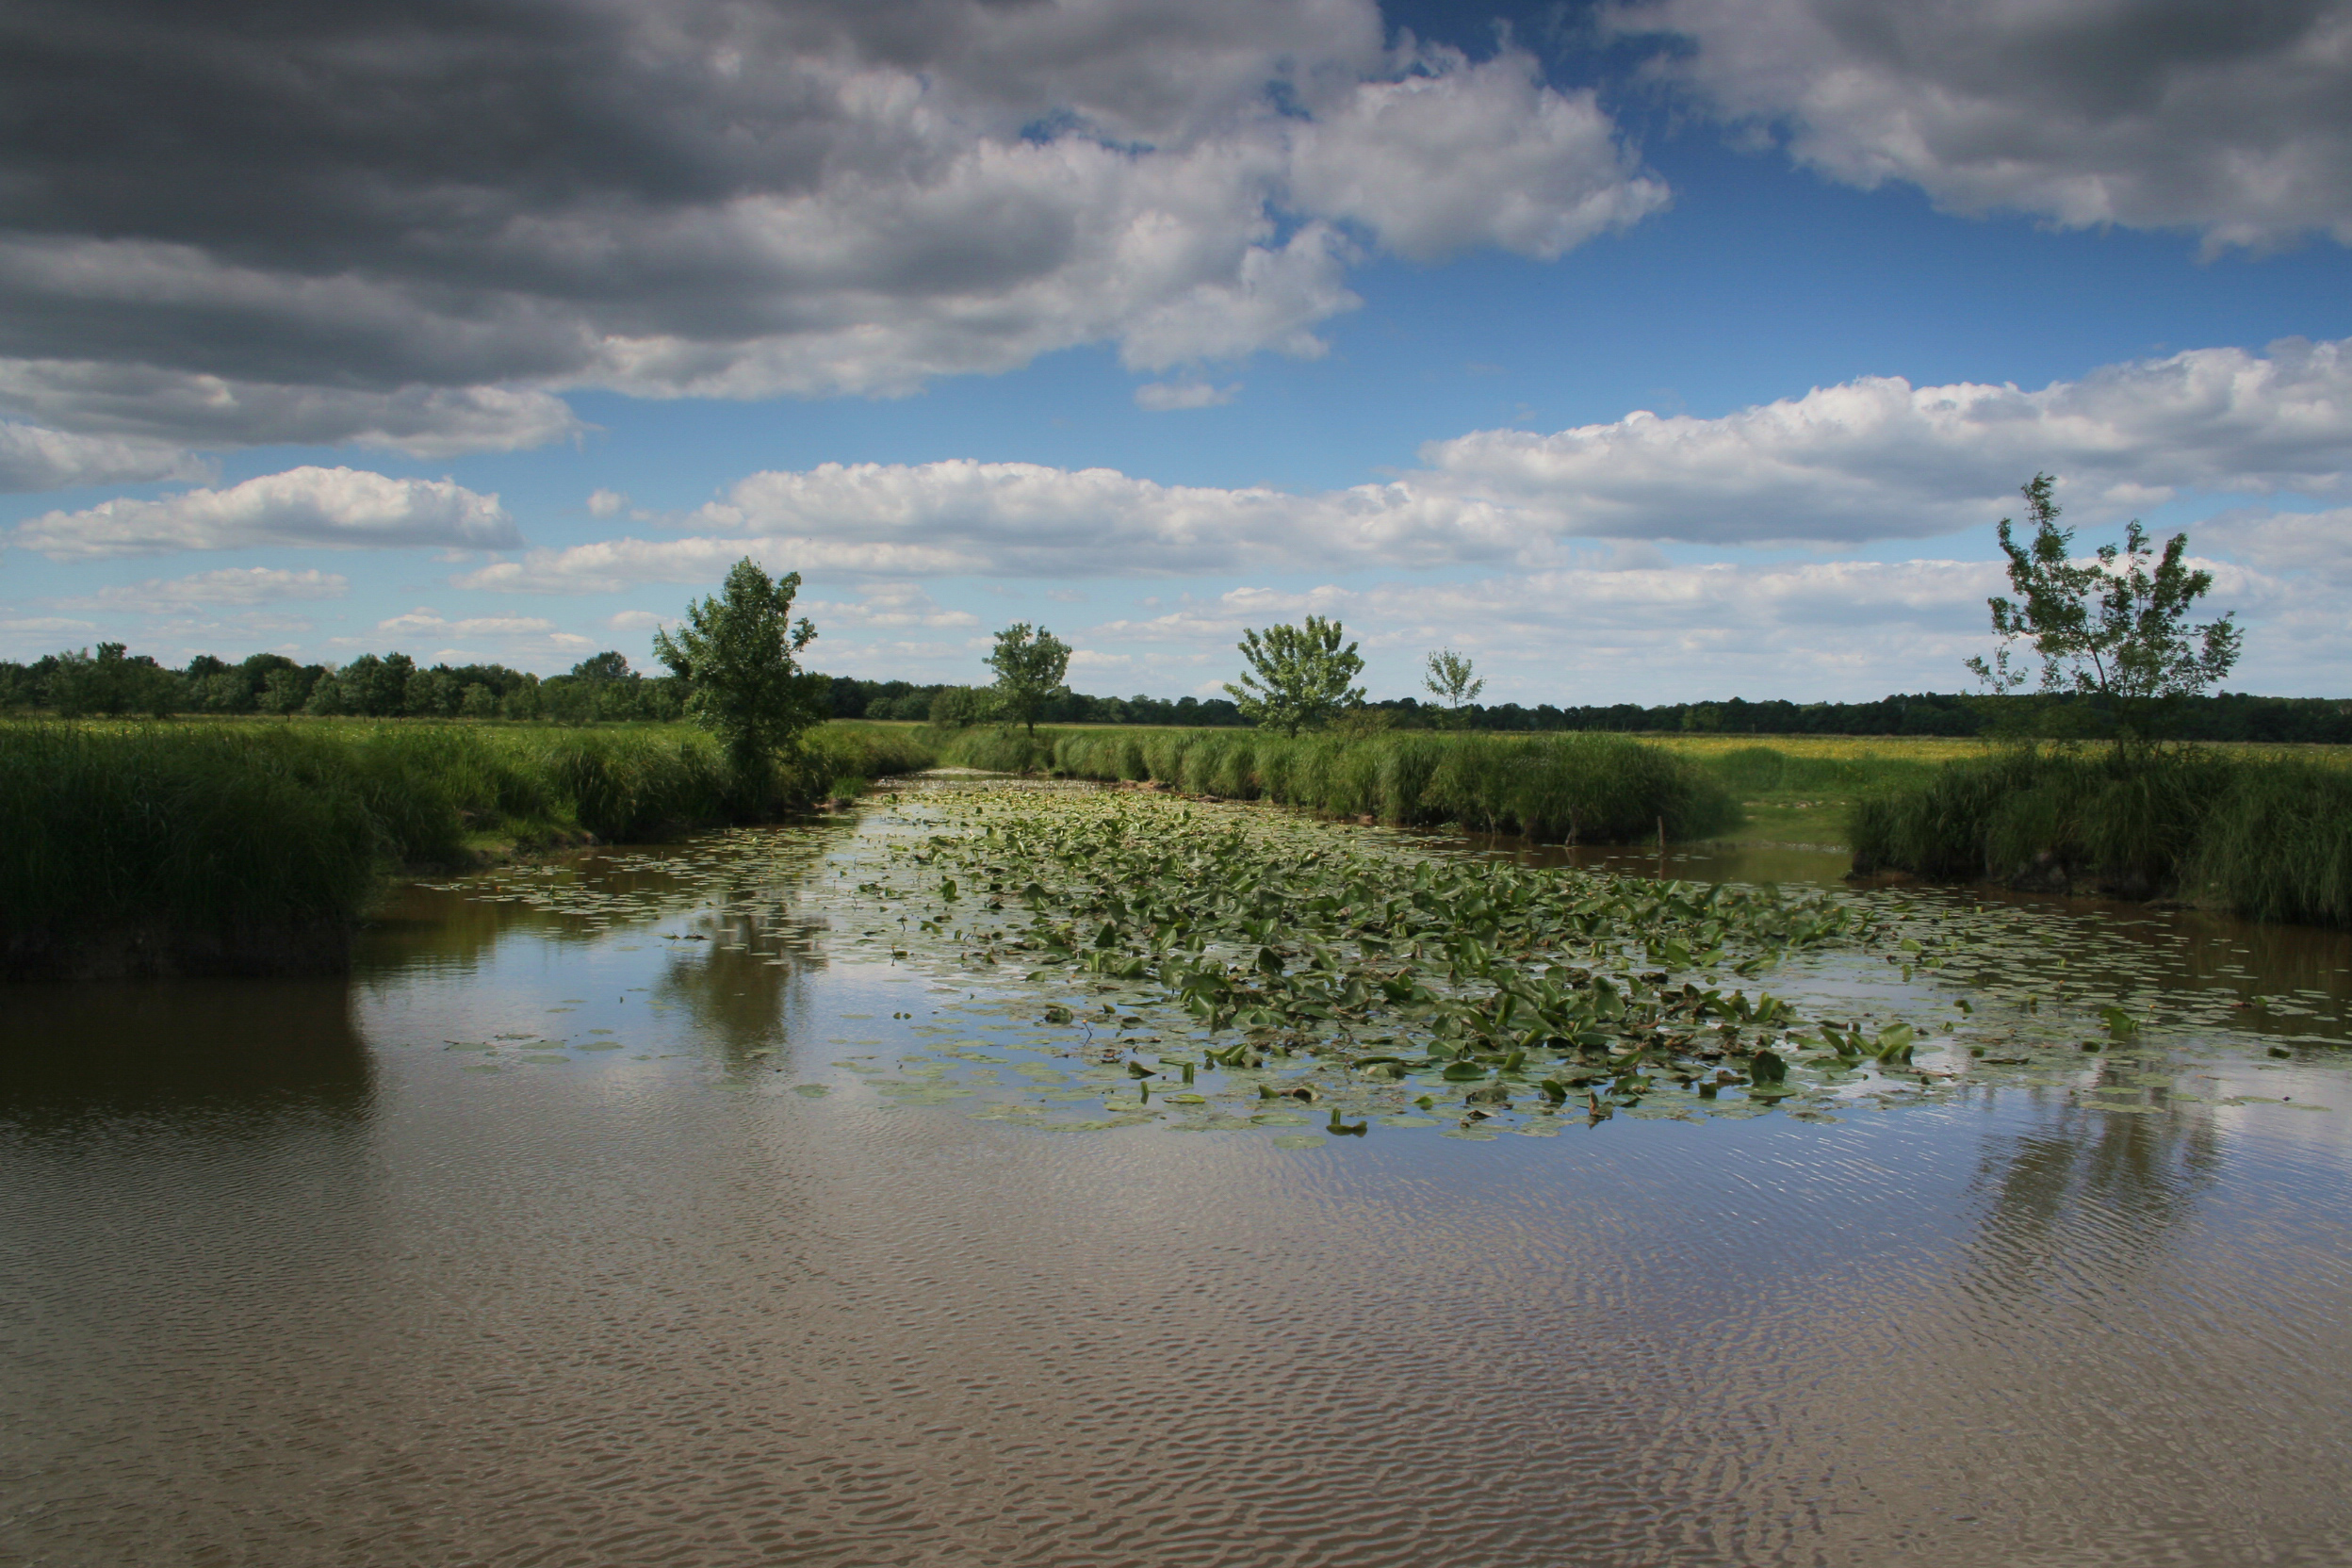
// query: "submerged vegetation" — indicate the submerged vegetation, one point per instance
point(1592, 788)
point(1317, 977)
point(1223, 971)
point(254, 846)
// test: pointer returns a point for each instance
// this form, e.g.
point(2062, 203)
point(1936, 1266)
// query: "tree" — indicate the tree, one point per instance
point(1029, 666)
point(959, 706)
point(114, 683)
point(738, 658)
point(611, 664)
point(1298, 676)
point(2113, 628)
point(1449, 680)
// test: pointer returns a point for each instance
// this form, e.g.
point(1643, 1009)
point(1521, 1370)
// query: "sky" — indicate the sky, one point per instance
point(1656, 352)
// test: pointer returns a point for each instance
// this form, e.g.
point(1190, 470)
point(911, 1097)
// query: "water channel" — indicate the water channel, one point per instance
point(579, 1226)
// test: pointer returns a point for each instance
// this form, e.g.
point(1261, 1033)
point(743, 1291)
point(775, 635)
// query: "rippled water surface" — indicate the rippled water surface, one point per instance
point(645, 1209)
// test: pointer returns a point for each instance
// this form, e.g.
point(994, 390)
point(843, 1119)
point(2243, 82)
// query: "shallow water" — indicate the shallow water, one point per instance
point(556, 1235)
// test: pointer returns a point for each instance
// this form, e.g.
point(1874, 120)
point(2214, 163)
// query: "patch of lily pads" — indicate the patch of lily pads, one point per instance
point(1124, 958)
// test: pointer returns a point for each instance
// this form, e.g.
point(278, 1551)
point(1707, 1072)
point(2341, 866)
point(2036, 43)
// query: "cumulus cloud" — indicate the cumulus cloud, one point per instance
point(34, 458)
point(338, 507)
point(1878, 458)
point(606, 503)
point(2232, 120)
point(1873, 459)
point(639, 620)
point(1162, 397)
point(230, 586)
point(341, 225)
point(2314, 544)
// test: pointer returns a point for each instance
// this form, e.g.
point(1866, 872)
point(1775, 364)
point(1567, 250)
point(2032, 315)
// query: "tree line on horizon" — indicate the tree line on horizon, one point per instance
point(604, 689)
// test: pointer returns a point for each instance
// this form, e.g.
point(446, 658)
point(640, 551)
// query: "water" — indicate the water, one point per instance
point(556, 1237)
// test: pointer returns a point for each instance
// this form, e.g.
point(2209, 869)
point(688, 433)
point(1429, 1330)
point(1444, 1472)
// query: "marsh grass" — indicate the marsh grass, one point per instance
point(1592, 788)
point(2264, 836)
point(262, 825)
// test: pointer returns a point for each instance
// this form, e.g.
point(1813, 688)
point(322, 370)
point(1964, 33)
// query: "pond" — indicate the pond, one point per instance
point(763, 1200)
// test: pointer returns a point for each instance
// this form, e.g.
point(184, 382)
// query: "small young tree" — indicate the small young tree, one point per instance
point(1298, 676)
point(738, 658)
point(2113, 628)
point(1029, 666)
point(1450, 680)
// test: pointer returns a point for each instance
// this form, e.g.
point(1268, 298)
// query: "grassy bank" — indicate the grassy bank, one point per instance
point(2267, 837)
point(238, 845)
point(1590, 788)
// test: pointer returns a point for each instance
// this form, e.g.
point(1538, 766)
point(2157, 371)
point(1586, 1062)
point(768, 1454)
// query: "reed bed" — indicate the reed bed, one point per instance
point(176, 831)
point(1586, 787)
point(2267, 837)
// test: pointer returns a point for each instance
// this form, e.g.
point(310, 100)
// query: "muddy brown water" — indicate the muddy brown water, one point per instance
point(555, 1236)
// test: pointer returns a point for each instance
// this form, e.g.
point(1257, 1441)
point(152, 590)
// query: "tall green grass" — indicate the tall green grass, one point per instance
point(1590, 787)
point(2266, 837)
point(262, 825)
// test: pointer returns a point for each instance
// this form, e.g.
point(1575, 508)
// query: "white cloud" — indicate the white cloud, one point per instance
point(1867, 460)
point(2314, 544)
point(1161, 396)
point(692, 197)
point(639, 620)
point(1810, 630)
point(606, 503)
point(1464, 156)
point(424, 619)
point(35, 458)
point(888, 605)
point(235, 585)
point(43, 624)
point(1879, 458)
point(338, 507)
point(2232, 120)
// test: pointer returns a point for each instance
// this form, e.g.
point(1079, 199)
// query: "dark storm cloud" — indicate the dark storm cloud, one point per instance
point(330, 208)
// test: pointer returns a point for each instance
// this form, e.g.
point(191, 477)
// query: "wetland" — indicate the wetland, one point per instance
point(1060, 1174)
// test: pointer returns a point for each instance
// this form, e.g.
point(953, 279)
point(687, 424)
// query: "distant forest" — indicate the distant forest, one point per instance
point(606, 689)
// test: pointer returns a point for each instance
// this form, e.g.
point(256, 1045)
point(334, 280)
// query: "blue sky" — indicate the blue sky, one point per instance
point(1153, 322)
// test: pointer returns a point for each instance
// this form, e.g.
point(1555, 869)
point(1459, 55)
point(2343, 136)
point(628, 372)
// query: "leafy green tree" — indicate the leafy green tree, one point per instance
point(2116, 628)
point(1451, 680)
point(1300, 677)
point(114, 683)
point(960, 707)
point(611, 664)
point(1029, 666)
point(738, 655)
